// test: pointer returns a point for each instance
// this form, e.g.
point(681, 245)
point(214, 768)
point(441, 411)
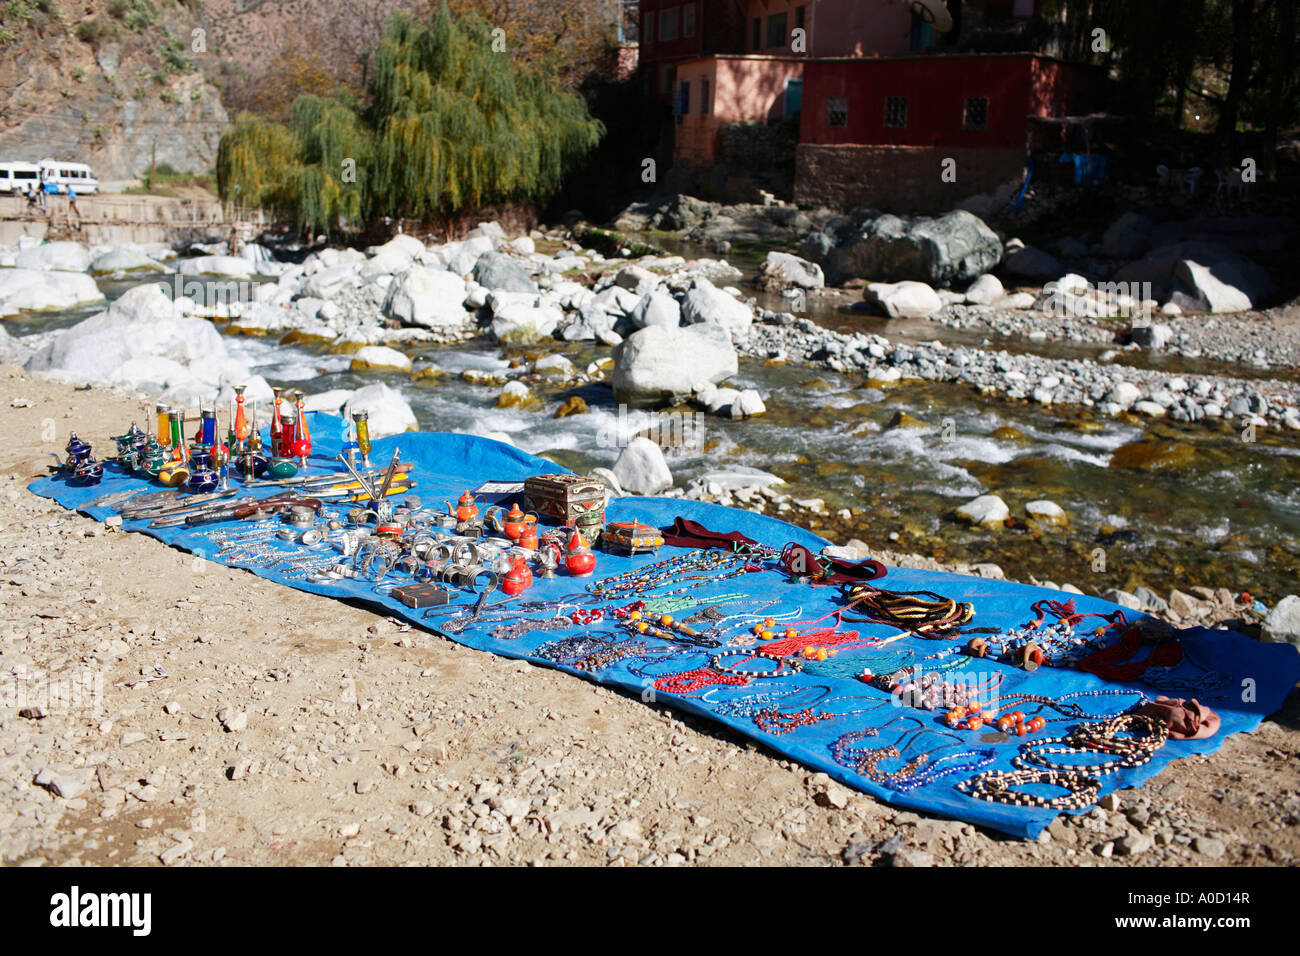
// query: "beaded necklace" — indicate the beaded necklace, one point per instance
point(973, 716)
point(1100, 738)
point(701, 565)
point(566, 650)
point(778, 722)
point(996, 786)
point(866, 761)
point(751, 704)
point(963, 761)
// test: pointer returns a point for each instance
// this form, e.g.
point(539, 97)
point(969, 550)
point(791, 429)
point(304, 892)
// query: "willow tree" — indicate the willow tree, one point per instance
point(454, 123)
point(458, 124)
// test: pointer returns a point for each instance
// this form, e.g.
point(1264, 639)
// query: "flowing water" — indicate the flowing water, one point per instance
point(1227, 516)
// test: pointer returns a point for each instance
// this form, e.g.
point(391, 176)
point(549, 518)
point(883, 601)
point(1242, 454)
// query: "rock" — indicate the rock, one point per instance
point(228, 267)
point(1122, 598)
point(986, 511)
point(390, 413)
point(1134, 844)
point(901, 419)
point(656, 308)
point(641, 468)
point(1210, 846)
point(33, 290)
point(121, 260)
point(954, 247)
point(908, 300)
point(1150, 409)
point(748, 404)
point(1047, 512)
point(521, 324)
point(588, 325)
point(911, 857)
point(781, 270)
point(1150, 335)
point(1184, 605)
point(705, 302)
point(834, 796)
point(69, 786)
point(1152, 456)
point(1031, 263)
point(573, 405)
point(1150, 600)
point(658, 362)
point(635, 279)
point(54, 256)
point(373, 358)
point(232, 721)
point(1110, 802)
point(496, 270)
point(985, 290)
point(1283, 622)
point(1127, 236)
point(1230, 285)
point(517, 395)
point(429, 297)
point(1123, 394)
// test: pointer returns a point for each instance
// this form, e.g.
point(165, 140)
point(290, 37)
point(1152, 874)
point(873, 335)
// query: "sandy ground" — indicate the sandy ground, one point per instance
point(292, 729)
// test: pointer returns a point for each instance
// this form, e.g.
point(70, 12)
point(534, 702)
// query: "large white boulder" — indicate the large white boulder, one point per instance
point(390, 413)
point(782, 270)
point(55, 256)
point(143, 324)
point(403, 245)
point(33, 290)
point(427, 296)
point(986, 511)
point(123, 259)
point(228, 267)
point(521, 324)
point(656, 308)
point(705, 302)
point(380, 358)
point(906, 300)
point(985, 290)
point(385, 262)
point(641, 468)
point(659, 362)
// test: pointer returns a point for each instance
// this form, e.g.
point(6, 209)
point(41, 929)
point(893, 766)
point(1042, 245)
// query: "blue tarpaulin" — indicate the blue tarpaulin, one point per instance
point(1252, 678)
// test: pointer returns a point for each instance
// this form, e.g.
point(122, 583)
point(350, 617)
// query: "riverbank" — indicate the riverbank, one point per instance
point(291, 729)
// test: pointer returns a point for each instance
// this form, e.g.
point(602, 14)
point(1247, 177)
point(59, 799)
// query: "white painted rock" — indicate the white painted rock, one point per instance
point(986, 511)
point(907, 299)
point(379, 358)
point(641, 468)
point(427, 296)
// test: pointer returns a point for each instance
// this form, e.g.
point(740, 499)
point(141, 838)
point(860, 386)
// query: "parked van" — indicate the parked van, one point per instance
point(16, 177)
point(62, 174)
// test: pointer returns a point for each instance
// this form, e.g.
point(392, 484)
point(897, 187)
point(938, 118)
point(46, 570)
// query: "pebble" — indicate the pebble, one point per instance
point(1212, 847)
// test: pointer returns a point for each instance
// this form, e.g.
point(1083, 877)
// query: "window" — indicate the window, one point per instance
point(706, 96)
point(684, 98)
point(668, 24)
point(837, 111)
point(976, 114)
point(688, 20)
point(793, 98)
point(648, 31)
point(776, 35)
point(896, 112)
point(758, 33)
point(666, 80)
point(801, 16)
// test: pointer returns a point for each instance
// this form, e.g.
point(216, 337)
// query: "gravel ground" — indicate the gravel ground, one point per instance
point(292, 729)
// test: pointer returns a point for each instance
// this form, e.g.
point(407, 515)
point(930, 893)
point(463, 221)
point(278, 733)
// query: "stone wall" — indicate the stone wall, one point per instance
point(899, 179)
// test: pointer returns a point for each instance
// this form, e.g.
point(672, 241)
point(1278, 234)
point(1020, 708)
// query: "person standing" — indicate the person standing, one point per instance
point(72, 205)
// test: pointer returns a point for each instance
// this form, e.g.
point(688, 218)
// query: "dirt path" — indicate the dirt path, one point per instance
point(354, 740)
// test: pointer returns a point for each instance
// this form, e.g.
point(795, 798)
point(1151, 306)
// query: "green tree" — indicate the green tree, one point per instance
point(453, 123)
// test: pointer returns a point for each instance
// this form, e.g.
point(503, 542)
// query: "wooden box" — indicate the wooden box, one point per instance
point(577, 500)
point(630, 537)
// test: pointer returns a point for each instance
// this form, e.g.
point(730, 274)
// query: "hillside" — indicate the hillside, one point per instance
point(116, 83)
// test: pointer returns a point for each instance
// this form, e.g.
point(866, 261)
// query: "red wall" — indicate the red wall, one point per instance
point(936, 88)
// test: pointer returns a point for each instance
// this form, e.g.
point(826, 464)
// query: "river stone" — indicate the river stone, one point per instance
point(1124, 394)
point(1122, 598)
point(401, 244)
point(1230, 285)
point(986, 511)
point(426, 296)
point(635, 279)
point(641, 468)
point(1127, 236)
point(496, 270)
point(123, 259)
point(1150, 335)
point(748, 404)
point(985, 290)
point(955, 247)
point(782, 270)
point(1150, 409)
point(658, 362)
point(1283, 621)
point(390, 413)
point(1152, 456)
point(522, 324)
point(656, 308)
point(62, 256)
point(1046, 512)
point(379, 358)
point(228, 267)
point(705, 302)
point(907, 299)
point(33, 290)
point(1031, 263)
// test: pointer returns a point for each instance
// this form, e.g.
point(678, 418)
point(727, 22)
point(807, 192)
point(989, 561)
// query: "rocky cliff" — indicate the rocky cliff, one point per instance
point(119, 84)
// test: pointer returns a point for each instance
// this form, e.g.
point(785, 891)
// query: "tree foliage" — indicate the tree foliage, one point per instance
point(452, 124)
